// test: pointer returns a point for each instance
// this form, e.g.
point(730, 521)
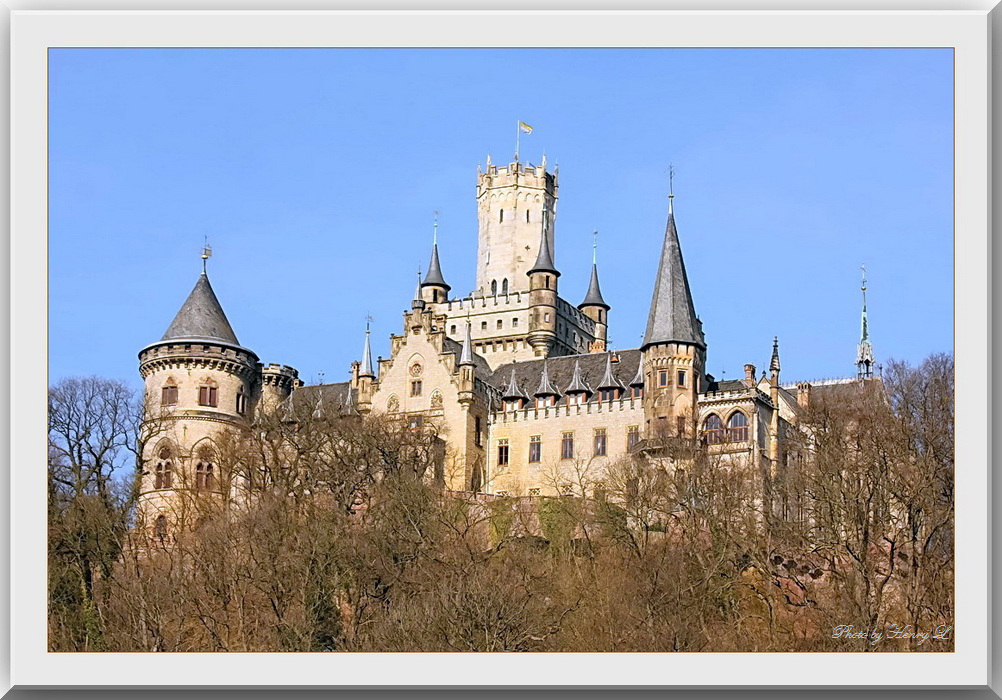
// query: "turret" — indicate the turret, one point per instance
point(200, 383)
point(674, 350)
point(864, 351)
point(595, 308)
point(543, 299)
point(366, 377)
point(467, 368)
point(433, 288)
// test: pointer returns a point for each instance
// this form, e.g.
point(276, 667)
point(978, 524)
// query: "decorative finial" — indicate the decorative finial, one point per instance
point(863, 268)
point(671, 181)
point(434, 236)
point(206, 252)
point(594, 247)
point(368, 321)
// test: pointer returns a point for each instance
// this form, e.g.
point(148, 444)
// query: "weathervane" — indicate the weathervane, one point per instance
point(206, 252)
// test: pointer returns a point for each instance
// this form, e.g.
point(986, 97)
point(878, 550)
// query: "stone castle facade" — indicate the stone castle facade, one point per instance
point(516, 379)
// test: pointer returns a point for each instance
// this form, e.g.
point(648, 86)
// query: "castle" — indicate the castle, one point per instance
point(518, 380)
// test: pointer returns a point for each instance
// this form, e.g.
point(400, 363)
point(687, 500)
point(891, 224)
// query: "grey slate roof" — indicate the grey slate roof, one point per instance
point(728, 385)
point(466, 356)
point(609, 379)
point(316, 399)
point(544, 262)
point(594, 295)
point(672, 317)
point(434, 276)
point(513, 391)
point(201, 317)
point(560, 370)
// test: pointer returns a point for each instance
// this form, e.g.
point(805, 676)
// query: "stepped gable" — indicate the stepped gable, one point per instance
point(560, 369)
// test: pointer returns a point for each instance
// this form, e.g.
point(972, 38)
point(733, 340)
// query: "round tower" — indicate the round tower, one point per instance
point(674, 349)
point(543, 299)
point(595, 308)
point(199, 384)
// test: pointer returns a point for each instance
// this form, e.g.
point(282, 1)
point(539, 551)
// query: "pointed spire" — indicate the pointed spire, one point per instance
point(544, 261)
point(466, 356)
point(545, 387)
point(418, 302)
point(513, 391)
point(577, 385)
point(864, 351)
point(638, 379)
point(201, 317)
point(774, 362)
point(609, 380)
point(366, 369)
point(672, 317)
point(348, 408)
point(594, 295)
point(434, 276)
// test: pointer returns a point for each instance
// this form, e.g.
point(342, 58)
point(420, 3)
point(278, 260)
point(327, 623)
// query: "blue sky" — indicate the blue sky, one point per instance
point(315, 173)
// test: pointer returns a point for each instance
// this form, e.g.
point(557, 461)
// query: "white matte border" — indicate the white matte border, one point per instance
point(33, 32)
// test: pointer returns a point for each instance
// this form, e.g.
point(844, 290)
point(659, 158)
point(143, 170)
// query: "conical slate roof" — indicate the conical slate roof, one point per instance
point(466, 356)
point(609, 380)
point(577, 385)
point(545, 387)
point(513, 391)
point(201, 317)
point(594, 295)
point(434, 276)
point(544, 261)
point(366, 369)
point(672, 317)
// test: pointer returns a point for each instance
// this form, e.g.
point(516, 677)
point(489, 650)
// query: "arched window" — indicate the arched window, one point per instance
point(208, 394)
point(504, 286)
point(160, 527)
point(169, 395)
point(737, 427)
point(164, 470)
point(713, 429)
point(494, 288)
point(205, 470)
point(500, 215)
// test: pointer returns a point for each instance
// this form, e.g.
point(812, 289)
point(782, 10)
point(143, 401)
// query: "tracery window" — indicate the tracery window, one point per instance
point(205, 471)
point(737, 427)
point(713, 430)
point(163, 475)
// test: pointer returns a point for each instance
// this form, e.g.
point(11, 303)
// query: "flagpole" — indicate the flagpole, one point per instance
point(518, 133)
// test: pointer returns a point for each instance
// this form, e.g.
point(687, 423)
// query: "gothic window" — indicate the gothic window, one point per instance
point(632, 437)
point(535, 448)
point(502, 452)
point(160, 527)
point(600, 443)
point(169, 394)
point(567, 446)
point(208, 395)
point(164, 470)
point(494, 288)
point(205, 471)
point(737, 427)
point(713, 429)
point(504, 286)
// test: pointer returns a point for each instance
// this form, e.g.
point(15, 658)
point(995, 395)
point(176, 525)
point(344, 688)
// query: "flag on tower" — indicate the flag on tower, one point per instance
point(524, 128)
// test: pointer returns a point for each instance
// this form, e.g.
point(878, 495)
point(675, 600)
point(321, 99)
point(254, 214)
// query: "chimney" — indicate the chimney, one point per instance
point(750, 374)
point(803, 394)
